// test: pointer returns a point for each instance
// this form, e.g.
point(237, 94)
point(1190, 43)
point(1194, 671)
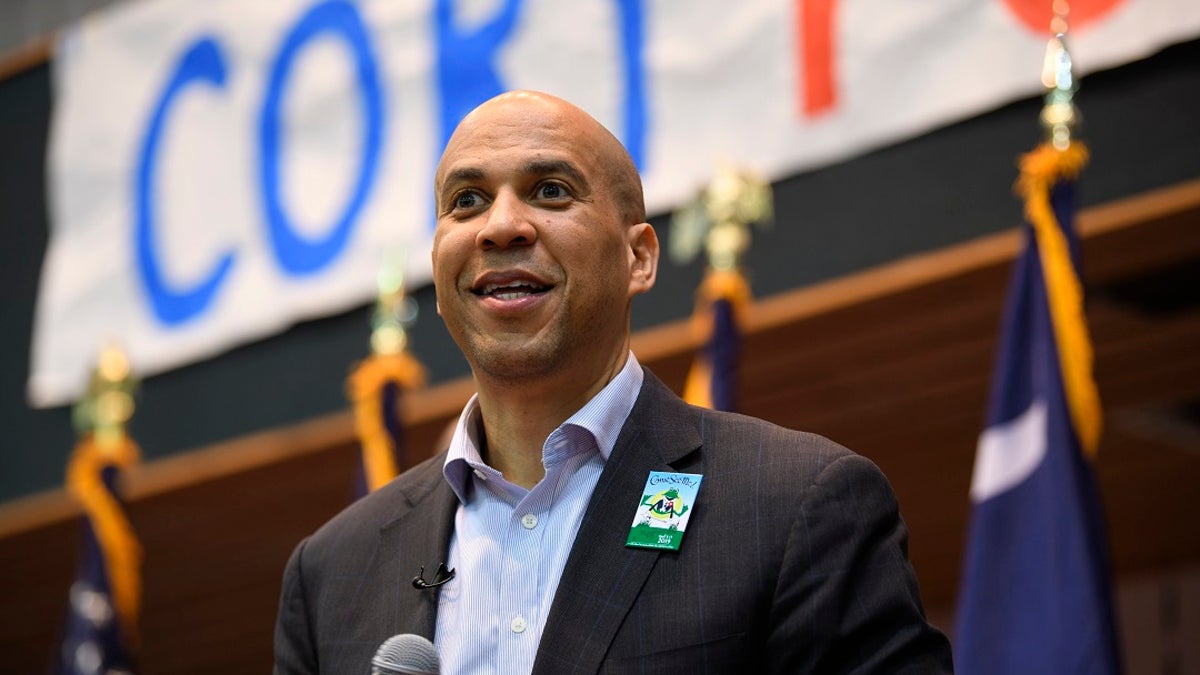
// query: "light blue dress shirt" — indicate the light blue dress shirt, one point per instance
point(510, 544)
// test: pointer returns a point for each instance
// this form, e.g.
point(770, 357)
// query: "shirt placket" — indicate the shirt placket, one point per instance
point(521, 592)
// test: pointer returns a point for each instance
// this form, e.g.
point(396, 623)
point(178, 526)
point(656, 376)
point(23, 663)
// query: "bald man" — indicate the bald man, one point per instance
point(785, 553)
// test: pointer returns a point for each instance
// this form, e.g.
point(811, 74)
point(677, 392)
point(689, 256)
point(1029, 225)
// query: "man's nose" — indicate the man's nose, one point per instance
point(508, 224)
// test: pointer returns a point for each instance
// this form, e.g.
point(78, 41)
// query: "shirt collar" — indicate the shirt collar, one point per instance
point(603, 417)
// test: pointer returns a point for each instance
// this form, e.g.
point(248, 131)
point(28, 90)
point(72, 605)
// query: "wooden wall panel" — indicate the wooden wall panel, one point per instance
point(894, 363)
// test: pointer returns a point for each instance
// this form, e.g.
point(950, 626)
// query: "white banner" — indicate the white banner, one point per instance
point(220, 169)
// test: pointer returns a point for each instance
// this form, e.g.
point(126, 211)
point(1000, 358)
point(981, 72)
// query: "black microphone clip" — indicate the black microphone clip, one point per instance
point(441, 576)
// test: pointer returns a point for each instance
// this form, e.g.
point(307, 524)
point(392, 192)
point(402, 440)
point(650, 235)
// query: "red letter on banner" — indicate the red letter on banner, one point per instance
point(1036, 14)
point(814, 19)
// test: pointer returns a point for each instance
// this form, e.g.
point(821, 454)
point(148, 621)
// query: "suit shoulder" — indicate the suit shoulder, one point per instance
point(365, 516)
point(732, 436)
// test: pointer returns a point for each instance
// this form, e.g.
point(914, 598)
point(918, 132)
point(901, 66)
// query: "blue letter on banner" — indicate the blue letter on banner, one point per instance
point(466, 62)
point(295, 254)
point(633, 38)
point(467, 71)
point(202, 62)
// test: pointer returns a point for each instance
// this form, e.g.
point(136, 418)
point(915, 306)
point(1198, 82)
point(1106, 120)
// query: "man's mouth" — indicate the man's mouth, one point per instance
point(510, 290)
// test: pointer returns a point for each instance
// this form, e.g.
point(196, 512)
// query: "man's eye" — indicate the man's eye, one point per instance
point(552, 191)
point(466, 200)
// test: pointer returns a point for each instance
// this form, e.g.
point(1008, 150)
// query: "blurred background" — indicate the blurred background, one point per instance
point(217, 187)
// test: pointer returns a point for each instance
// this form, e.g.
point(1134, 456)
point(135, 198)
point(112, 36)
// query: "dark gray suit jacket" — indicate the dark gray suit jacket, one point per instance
point(794, 561)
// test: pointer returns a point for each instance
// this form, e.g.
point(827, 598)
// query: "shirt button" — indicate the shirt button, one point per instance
point(518, 625)
point(529, 521)
point(480, 475)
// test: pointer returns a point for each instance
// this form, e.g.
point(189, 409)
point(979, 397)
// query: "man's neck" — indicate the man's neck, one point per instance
point(518, 417)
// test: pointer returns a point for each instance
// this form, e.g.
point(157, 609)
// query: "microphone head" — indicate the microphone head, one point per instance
point(405, 654)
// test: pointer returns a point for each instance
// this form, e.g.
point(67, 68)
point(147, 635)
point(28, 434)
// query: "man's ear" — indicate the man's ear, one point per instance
point(643, 247)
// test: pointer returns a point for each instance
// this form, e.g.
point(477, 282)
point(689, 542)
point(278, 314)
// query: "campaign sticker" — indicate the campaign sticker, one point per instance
point(663, 513)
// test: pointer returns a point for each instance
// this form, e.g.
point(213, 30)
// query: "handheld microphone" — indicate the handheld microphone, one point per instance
point(405, 654)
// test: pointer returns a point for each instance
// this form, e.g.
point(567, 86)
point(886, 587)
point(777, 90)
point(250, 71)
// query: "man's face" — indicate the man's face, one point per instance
point(533, 264)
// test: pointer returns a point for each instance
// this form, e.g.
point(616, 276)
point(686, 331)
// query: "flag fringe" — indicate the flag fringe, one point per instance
point(1041, 169)
point(719, 285)
point(729, 285)
point(366, 386)
point(118, 545)
point(698, 389)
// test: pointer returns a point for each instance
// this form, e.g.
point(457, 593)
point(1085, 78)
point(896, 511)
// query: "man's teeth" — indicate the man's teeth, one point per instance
point(510, 291)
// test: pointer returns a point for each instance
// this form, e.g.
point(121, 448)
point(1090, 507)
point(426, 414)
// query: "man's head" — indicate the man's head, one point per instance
point(541, 241)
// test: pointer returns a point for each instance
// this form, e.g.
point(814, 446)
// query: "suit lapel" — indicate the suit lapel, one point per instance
point(603, 577)
point(418, 537)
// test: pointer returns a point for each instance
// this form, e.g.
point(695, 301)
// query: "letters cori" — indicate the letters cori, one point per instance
point(466, 76)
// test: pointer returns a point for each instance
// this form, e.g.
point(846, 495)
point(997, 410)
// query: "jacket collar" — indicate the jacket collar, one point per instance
point(603, 577)
point(418, 536)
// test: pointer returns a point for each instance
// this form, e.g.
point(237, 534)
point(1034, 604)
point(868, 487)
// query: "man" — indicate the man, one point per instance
point(793, 558)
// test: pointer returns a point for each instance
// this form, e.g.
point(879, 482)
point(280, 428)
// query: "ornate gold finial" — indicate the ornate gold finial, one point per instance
point(108, 404)
point(1059, 116)
point(720, 218)
point(394, 312)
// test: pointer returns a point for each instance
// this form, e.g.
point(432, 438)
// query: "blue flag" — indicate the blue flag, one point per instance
point(1035, 595)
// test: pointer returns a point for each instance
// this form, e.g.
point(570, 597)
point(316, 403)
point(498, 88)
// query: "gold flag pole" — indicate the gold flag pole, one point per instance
point(1059, 115)
point(1062, 158)
point(100, 417)
point(719, 219)
point(390, 364)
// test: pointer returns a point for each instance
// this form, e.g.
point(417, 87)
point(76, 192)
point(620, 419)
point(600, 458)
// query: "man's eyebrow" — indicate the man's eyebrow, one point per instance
point(546, 167)
point(462, 175)
point(537, 167)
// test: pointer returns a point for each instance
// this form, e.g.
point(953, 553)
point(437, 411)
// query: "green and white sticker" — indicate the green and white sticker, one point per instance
point(662, 516)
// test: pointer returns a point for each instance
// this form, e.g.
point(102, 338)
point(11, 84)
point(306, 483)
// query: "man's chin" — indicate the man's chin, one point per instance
point(516, 361)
